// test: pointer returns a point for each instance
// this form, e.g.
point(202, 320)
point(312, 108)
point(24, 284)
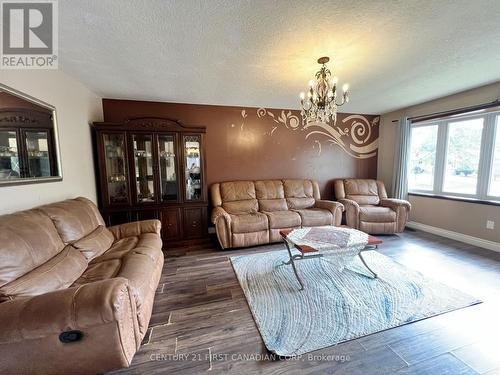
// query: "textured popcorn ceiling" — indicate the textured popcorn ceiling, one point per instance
point(263, 53)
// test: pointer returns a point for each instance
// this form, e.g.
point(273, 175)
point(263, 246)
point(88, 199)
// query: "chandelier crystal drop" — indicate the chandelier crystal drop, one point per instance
point(320, 103)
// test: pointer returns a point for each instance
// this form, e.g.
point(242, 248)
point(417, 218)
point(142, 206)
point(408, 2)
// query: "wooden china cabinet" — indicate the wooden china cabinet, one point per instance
point(152, 168)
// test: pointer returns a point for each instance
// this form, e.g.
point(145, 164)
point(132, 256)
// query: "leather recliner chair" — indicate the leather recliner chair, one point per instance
point(367, 207)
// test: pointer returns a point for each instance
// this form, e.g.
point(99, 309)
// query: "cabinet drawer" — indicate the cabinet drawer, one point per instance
point(170, 219)
point(195, 222)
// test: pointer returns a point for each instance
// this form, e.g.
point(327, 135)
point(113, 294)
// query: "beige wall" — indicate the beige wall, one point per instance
point(462, 217)
point(76, 106)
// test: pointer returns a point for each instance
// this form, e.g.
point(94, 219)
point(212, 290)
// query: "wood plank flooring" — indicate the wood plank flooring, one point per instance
point(201, 322)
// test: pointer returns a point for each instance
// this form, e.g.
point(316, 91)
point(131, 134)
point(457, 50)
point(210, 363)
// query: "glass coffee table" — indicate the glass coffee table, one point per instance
point(340, 244)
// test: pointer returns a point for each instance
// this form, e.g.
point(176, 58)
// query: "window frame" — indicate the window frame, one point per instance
point(491, 138)
point(421, 125)
point(485, 166)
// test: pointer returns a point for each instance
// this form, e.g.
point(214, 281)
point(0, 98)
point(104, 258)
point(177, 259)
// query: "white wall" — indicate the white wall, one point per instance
point(462, 217)
point(76, 107)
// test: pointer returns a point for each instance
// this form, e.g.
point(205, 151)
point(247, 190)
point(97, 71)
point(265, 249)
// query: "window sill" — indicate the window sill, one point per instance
point(453, 198)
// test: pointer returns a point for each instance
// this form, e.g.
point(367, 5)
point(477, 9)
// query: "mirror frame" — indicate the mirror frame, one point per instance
point(37, 180)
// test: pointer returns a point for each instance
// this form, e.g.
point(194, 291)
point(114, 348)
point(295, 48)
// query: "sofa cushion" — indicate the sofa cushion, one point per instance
point(269, 189)
point(300, 194)
point(238, 197)
point(362, 191)
point(246, 206)
point(271, 195)
point(248, 223)
point(74, 218)
point(300, 203)
point(96, 243)
point(57, 273)
point(118, 249)
point(376, 214)
point(108, 265)
point(283, 219)
point(313, 217)
point(298, 188)
point(270, 205)
point(237, 191)
point(139, 259)
point(28, 239)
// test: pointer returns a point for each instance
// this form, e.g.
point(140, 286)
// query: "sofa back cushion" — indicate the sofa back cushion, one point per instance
point(365, 192)
point(238, 197)
point(95, 243)
point(28, 239)
point(271, 195)
point(57, 273)
point(73, 218)
point(300, 194)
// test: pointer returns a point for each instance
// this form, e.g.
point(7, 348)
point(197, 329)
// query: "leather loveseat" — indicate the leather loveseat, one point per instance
point(248, 213)
point(75, 297)
point(367, 207)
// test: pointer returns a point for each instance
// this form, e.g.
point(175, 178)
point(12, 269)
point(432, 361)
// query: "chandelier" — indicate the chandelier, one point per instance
point(321, 103)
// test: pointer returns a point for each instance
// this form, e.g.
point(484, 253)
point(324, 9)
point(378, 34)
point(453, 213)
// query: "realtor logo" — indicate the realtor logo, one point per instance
point(29, 34)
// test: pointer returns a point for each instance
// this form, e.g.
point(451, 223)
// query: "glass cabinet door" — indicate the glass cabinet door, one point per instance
point(168, 173)
point(9, 155)
point(116, 168)
point(37, 149)
point(143, 155)
point(192, 164)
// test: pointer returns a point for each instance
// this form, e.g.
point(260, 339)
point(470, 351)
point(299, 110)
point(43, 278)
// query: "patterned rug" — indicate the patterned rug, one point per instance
point(336, 306)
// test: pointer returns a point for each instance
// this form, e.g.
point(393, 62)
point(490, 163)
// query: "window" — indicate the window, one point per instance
point(494, 188)
point(422, 157)
point(462, 156)
point(456, 156)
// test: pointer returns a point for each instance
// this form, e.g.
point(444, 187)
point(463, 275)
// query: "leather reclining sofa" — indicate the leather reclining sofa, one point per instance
point(248, 213)
point(75, 297)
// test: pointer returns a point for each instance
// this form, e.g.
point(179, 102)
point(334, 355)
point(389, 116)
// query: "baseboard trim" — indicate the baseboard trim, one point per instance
point(471, 240)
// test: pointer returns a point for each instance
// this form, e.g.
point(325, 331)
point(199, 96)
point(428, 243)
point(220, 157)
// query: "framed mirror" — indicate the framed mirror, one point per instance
point(29, 144)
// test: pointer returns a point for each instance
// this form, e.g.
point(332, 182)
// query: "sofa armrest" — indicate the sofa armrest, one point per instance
point(135, 228)
point(402, 209)
point(222, 221)
point(103, 311)
point(349, 204)
point(219, 212)
point(395, 203)
point(351, 212)
point(335, 208)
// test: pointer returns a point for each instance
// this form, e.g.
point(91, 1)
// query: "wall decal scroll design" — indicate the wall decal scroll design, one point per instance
point(354, 136)
point(286, 118)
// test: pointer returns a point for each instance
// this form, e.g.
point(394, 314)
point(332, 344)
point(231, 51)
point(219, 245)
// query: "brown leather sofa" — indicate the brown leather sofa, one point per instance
point(64, 276)
point(248, 213)
point(368, 208)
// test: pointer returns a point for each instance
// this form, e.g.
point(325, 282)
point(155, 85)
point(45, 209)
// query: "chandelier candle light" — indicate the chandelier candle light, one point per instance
point(321, 103)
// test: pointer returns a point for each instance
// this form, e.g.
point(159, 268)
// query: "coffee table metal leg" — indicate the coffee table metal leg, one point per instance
point(292, 262)
point(366, 265)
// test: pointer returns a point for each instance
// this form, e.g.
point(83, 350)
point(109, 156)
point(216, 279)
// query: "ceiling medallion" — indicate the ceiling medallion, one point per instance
point(321, 102)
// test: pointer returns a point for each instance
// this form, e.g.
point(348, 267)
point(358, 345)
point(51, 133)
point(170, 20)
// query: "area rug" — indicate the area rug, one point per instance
point(336, 306)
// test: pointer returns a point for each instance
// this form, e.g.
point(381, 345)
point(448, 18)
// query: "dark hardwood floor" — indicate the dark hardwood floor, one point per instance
point(201, 322)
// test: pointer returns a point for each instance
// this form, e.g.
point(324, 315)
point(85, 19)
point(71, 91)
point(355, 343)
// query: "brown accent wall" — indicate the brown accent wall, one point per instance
point(258, 143)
